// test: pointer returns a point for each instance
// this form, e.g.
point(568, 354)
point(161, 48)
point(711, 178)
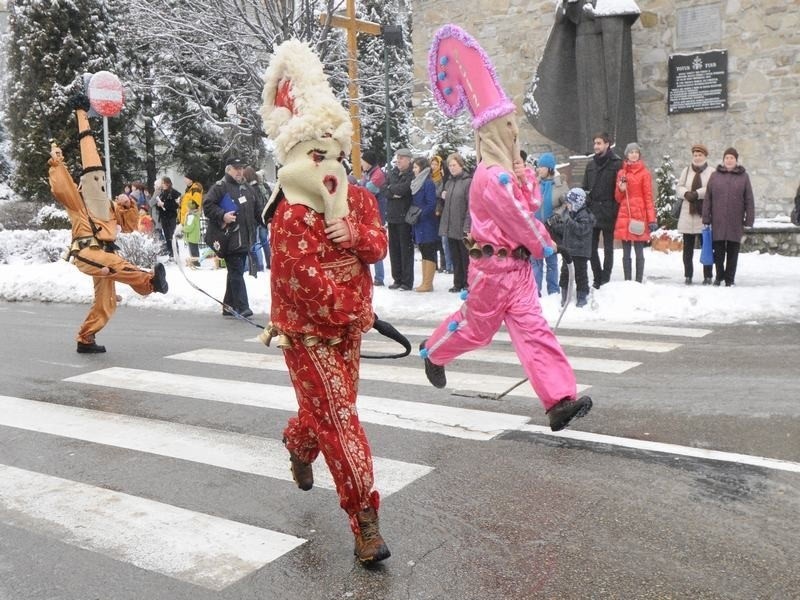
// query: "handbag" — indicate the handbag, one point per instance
point(706, 250)
point(676, 208)
point(413, 214)
point(635, 226)
point(224, 241)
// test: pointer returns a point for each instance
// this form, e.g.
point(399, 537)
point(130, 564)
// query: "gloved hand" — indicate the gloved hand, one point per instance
point(79, 102)
point(653, 227)
point(690, 196)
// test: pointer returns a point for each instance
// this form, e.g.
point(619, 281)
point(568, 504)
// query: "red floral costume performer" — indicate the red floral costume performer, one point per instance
point(95, 220)
point(324, 235)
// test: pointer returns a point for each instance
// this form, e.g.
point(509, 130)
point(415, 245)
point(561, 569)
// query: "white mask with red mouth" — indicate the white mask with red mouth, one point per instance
point(314, 176)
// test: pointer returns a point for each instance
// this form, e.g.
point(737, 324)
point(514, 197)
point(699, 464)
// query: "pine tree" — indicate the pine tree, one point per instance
point(372, 79)
point(5, 167)
point(50, 46)
point(665, 186)
point(205, 77)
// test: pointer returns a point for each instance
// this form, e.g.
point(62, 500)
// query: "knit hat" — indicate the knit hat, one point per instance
point(632, 147)
point(576, 198)
point(370, 157)
point(732, 151)
point(404, 152)
point(700, 148)
point(547, 160)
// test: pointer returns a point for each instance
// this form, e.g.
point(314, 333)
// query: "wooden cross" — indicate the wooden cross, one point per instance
point(354, 27)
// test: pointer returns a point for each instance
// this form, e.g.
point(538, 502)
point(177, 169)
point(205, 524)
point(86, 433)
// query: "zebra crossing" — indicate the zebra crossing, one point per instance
point(213, 552)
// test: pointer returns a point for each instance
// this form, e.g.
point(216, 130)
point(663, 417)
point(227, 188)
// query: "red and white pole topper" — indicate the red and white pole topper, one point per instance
point(106, 95)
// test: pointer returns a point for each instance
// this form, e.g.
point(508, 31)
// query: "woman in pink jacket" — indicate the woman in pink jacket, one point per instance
point(636, 218)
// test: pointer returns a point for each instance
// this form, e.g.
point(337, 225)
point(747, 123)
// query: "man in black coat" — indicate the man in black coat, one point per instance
point(401, 244)
point(231, 203)
point(167, 206)
point(599, 181)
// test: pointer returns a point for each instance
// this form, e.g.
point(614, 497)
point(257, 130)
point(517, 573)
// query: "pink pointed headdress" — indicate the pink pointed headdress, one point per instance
point(463, 76)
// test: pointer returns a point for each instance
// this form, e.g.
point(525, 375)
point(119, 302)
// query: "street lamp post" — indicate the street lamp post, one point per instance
point(392, 36)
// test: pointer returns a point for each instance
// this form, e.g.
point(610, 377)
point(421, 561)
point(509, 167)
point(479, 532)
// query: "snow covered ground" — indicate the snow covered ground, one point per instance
point(767, 290)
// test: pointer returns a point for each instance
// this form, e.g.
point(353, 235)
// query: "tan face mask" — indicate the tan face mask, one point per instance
point(93, 189)
point(314, 176)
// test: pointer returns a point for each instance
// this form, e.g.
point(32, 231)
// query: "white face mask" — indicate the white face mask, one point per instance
point(314, 175)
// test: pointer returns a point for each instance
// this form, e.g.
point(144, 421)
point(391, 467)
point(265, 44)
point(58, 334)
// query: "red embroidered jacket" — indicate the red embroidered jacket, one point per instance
point(319, 287)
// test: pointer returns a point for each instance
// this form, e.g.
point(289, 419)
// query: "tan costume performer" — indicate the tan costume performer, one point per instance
point(95, 222)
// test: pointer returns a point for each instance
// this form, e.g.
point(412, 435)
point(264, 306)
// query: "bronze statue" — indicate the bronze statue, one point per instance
point(584, 82)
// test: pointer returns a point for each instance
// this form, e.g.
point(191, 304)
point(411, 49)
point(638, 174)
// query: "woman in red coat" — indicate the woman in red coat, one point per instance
point(637, 213)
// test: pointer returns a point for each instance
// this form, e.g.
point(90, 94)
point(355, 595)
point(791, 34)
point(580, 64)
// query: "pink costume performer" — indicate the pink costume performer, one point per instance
point(504, 235)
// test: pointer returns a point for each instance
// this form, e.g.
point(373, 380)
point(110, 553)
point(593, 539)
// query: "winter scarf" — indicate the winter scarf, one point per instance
point(696, 208)
point(419, 180)
point(436, 174)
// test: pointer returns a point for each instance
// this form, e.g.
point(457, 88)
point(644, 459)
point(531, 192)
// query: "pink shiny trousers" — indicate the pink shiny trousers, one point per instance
point(503, 290)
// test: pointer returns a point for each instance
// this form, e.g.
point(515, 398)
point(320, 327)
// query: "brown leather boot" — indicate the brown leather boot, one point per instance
point(370, 547)
point(302, 473)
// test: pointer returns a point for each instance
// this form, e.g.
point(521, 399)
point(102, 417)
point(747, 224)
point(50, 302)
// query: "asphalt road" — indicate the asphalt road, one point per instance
point(514, 514)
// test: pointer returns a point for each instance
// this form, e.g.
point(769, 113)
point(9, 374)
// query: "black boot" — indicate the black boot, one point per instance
point(639, 270)
point(92, 348)
point(434, 373)
point(564, 295)
point(566, 410)
point(581, 302)
point(159, 280)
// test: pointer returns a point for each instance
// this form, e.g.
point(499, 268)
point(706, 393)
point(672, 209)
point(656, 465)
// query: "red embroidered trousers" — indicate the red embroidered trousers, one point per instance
point(325, 380)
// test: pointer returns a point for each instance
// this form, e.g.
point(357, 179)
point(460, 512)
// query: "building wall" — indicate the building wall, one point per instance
point(762, 121)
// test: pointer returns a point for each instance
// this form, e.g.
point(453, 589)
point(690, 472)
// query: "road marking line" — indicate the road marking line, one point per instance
point(690, 332)
point(273, 360)
point(197, 548)
point(564, 340)
point(234, 451)
point(456, 422)
point(664, 448)
point(506, 357)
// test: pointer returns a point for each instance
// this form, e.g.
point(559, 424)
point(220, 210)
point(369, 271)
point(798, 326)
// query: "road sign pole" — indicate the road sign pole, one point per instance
point(107, 148)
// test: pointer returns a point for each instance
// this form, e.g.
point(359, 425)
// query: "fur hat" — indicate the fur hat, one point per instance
point(700, 148)
point(576, 198)
point(298, 103)
point(547, 160)
point(732, 151)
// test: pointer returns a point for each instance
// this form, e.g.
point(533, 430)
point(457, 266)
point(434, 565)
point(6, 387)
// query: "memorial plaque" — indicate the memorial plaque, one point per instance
point(699, 26)
point(698, 82)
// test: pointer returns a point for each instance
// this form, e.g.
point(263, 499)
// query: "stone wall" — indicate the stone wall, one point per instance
point(762, 121)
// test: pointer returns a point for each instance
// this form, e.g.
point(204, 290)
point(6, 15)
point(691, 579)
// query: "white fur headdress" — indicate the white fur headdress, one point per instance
point(298, 103)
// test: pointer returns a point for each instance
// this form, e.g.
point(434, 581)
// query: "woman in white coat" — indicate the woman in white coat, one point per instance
point(691, 191)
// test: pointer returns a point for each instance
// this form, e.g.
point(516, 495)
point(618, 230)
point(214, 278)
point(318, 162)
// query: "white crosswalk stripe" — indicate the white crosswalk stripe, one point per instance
point(215, 552)
point(431, 418)
point(234, 451)
point(184, 544)
point(273, 361)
